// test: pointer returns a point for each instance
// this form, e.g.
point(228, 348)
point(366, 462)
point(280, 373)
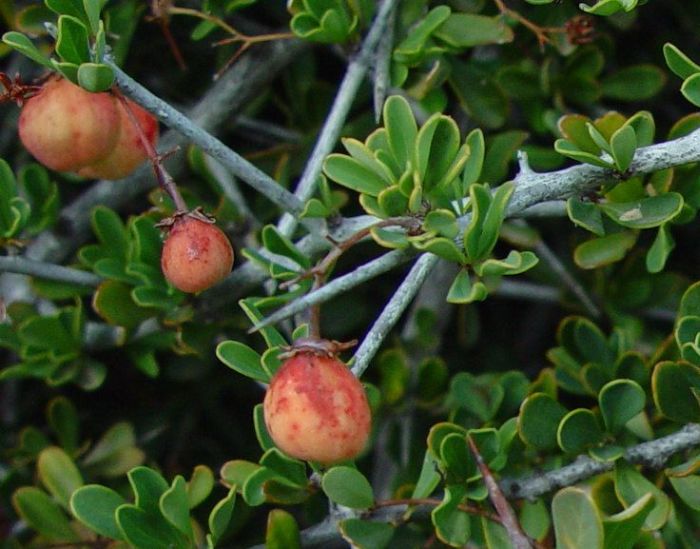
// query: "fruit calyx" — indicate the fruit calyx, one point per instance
point(197, 213)
point(317, 346)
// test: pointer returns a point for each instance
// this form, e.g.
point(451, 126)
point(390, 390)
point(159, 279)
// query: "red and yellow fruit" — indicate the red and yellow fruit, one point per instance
point(69, 129)
point(196, 254)
point(316, 409)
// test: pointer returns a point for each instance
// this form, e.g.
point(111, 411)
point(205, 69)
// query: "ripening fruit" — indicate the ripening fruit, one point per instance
point(69, 129)
point(66, 128)
point(316, 409)
point(196, 255)
point(128, 152)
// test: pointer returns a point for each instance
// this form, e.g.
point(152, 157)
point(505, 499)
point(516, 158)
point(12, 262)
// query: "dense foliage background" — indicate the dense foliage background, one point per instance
point(553, 318)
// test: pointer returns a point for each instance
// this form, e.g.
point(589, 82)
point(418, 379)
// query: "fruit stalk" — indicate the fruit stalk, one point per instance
point(165, 180)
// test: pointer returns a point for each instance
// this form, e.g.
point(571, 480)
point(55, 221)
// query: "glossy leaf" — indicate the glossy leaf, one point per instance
point(347, 486)
point(623, 143)
point(605, 250)
point(577, 524)
point(95, 506)
point(539, 420)
point(366, 534)
point(691, 89)
point(579, 430)
point(350, 173)
point(631, 486)
point(59, 474)
point(462, 290)
point(620, 401)
point(452, 525)
point(242, 359)
point(401, 129)
point(221, 514)
point(282, 531)
point(22, 44)
point(660, 249)
point(672, 386)
point(175, 507)
point(688, 489)
point(634, 83)
point(43, 514)
point(679, 62)
point(63, 418)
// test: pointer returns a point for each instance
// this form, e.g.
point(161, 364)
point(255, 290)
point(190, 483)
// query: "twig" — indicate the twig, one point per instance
point(391, 313)
point(333, 125)
point(228, 95)
point(48, 271)
point(165, 180)
point(434, 502)
point(382, 64)
point(539, 32)
point(505, 511)
point(652, 454)
point(549, 257)
point(339, 285)
point(173, 118)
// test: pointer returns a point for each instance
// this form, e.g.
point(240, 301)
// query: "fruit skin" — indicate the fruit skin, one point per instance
point(316, 409)
point(128, 152)
point(196, 254)
point(69, 129)
point(66, 128)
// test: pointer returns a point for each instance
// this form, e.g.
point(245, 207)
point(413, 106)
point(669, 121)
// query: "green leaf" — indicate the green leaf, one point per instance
point(95, 77)
point(457, 459)
point(623, 529)
point(631, 486)
point(350, 173)
point(72, 44)
point(481, 98)
point(475, 162)
point(452, 525)
point(605, 250)
point(660, 250)
point(148, 487)
point(401, 129)
point(279, 244)
point(147, 530)
point(586, 215)
point(634, 83)
point(466, 30)
point(672, 385)
point(174, 505)
point(113, 301)
point(679, 62)
point(577, 524)
point(366, 534)
point(95, 506)
point(347, 486)
point(221, 514)
point(42, 194)
point(442, 247)
point(59, 474)
point(562, 146)
point(429, 477)
point(463, 291)
point(264, 438)
point(578, 431)
point(688, 489)
point(63, 418)
point(282, 531)
point(515, 263)
point(620, 400)
point(645, 213)
point(623, 143)
point(501, 150)
point(22, 44)
point(92, 11)
point(390, 238)
point(410, 49)
point(443, 222)
point(291, 470)
point(691, 89)
point(539, 420)
point(200, 485)
point(43, 514)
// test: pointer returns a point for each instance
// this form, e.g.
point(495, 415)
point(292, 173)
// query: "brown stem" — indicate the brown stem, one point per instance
point(503, 508)
point(164, 178)
point(339, 248)
point(174, 48)
point(434, 502)
point(539, 32)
